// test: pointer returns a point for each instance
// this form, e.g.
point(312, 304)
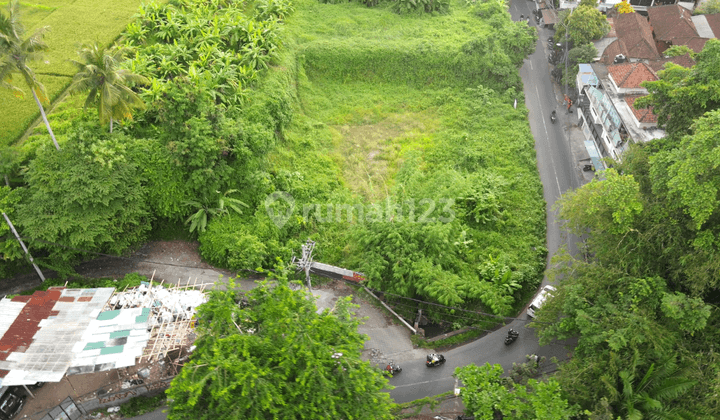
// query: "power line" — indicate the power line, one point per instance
point(498, 317)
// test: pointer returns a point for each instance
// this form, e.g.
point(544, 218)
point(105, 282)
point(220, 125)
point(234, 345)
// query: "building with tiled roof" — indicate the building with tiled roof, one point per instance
point(695, 43)
point(707, 26)
point(634, 40)
point(681, 60)
point(644, 117)
point(670, 23)
point(626, 78)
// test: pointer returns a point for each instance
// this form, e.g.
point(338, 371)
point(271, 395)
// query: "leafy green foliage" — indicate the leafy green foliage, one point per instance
point(678, 50)
point(88, 197)
point(611, 205)
point(199, 219)
point(71, 23)
point(486, 395)
point(138, 406)
point(708, 8)
point(16, 52)
point(108, 85)
point(277, 358)
point(426, 6)
point(681, 94)
point(584, 25)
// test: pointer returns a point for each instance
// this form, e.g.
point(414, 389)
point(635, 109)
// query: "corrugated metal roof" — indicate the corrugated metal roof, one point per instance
point(703, 27)
point(40, 342)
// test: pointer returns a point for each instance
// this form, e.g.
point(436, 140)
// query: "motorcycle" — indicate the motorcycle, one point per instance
point(393, 368)
point(434, 360)
point(512, 336)
point(553, 117)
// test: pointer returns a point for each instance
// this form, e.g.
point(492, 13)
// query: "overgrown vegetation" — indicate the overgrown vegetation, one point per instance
point(644, 302)
point(138, 406)
point(70, 23)
point(413, 126)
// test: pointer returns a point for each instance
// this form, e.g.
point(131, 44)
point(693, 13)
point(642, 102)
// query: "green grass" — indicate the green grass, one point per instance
point(140, 405)
point(71, 24)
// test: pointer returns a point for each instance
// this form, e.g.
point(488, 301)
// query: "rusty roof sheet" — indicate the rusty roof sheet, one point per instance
point(38, 345)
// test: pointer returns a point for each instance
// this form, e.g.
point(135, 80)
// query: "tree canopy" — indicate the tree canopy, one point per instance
point(276, 357)
point(583, 25)
point(487, 395)
point(682, 94)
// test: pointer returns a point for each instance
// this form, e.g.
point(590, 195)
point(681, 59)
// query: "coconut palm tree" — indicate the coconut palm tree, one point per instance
point(15, 53)
point(106, 83)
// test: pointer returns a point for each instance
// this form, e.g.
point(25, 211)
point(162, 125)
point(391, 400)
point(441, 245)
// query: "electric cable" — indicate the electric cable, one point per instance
point(498, 317)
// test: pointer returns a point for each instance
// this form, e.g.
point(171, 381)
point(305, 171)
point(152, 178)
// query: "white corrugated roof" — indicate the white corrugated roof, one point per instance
point(702, 27)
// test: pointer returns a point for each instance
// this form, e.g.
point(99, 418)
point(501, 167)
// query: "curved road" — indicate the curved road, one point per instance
point(558, 173)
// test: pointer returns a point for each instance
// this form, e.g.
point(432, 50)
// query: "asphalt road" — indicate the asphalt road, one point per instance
point(559, 173)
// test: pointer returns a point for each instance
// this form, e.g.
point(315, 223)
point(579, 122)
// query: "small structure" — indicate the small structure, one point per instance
point(673, 25)
point(634, 40)
point(626, 78)
point(707, 26)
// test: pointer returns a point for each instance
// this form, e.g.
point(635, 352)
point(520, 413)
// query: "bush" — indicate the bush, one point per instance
point(138, 406)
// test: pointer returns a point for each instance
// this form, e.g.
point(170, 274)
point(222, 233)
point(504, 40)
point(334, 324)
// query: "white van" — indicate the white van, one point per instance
point(539, 300)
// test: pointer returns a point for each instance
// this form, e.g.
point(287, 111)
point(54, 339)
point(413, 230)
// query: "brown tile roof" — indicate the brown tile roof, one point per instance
point(636, 34)
point(612, 33)
point(670, 22)
point(644, 115)
point(630, 75)
point(694, 43)
point(681, 60)
point(714, 23)
point(612, 50)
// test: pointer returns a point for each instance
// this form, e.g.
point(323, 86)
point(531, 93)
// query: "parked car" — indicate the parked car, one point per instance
point(12, 400)
point(539, 300)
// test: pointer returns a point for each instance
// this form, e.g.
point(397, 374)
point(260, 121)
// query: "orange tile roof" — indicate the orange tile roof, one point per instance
point(644, 115)
point(630, 75)
point(636, 34)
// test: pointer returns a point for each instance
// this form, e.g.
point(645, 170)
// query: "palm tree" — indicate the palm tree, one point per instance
point(652, 396)
point(199, 219)
point(107, 83)
point(15, 53)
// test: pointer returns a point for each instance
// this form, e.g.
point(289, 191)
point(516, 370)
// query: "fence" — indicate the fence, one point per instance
point(104, 400)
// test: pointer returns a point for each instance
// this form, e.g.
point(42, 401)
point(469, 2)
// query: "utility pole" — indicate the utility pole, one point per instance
point(12, 228)
point(567, 58)
point(306, 262)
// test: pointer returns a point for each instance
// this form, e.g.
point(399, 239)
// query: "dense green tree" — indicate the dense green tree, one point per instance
point(199, 219)
point(486, 396)
point(682, 95)
point(108, 85)
point(16, 52)
point(89, 196)
point(650, 395)
point(277, 358)
point(708, 7)
point(584, 24)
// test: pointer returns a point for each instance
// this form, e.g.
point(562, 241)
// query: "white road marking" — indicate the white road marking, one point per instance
point(420, 383)
point(530, 64)
point(547, 136)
